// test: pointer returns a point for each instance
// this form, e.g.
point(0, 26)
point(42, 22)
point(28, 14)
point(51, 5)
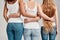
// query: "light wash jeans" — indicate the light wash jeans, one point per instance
point(14, 31)
point(31, 34)
point(51, 35)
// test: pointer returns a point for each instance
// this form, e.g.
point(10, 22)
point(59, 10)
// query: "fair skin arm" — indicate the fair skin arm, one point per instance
point(22, 9)
point(56, 15)
point(5, 13)
point(31, 19)
point(35, 19)
point(43, 15)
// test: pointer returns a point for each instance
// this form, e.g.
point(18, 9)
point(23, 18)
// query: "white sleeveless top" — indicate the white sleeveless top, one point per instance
point(13, 8)
point(31, 25)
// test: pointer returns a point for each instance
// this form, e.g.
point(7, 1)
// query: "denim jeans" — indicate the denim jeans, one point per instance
point(14, 31)
point(51, 35)
point(31, 34)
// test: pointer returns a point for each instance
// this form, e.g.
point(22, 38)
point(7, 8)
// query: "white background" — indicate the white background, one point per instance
point(3, 24)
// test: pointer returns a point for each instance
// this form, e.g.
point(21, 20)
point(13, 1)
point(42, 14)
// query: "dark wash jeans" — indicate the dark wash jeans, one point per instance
point(51, 35)
point(14, 31)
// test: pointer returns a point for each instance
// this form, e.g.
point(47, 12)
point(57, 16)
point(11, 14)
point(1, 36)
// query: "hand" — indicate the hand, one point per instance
point(11, 16)
point(26, 20)
point(7, 19)
point(57, 29)
point(52, 19)
point(56, 32)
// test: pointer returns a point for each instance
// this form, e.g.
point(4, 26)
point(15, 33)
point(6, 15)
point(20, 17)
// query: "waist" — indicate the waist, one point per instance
point(32, 25)
point(13, 11)
point(53, 24)
point(17, 20)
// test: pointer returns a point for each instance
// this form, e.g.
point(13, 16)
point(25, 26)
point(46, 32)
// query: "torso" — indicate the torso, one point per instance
point(13, 8)
point(33, 11)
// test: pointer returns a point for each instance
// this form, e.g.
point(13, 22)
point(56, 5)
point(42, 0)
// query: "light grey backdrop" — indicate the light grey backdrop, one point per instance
point(3, 24)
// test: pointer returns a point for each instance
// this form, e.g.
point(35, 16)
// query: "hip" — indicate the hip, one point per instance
point(15, 20)
point(32, 25)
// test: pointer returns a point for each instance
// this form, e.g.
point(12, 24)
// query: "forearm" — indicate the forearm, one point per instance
point(57, 22)
point(56, 15)
point(45, 16)
point(26, 20)
point(15, 15)
point(6, 18)
point(35, 19)
point(41, 13)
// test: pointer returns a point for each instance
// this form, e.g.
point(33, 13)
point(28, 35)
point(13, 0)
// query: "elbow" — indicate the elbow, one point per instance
point(23, 14)
point(38, 18)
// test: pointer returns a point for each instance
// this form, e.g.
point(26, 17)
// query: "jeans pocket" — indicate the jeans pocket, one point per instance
point(54, 30)
point(43, 31)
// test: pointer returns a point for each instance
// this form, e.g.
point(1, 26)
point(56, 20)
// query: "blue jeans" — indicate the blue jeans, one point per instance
point(31, 34)
point(51, 35)
point(14, 31)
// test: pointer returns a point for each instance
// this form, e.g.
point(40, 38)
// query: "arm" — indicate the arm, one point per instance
point(15, 15)
point(43, 15)
point(56, 15)
point(5, 13)
point(33, 19)
point(26, 20)
point(22, 9)
point(36, 18)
